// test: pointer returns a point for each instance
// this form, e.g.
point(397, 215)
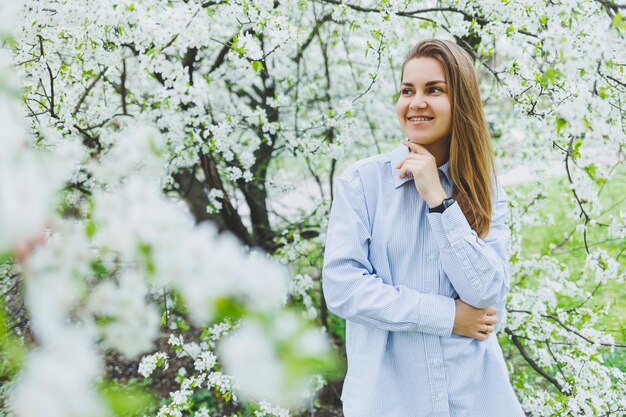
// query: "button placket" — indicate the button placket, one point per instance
point(437, 377)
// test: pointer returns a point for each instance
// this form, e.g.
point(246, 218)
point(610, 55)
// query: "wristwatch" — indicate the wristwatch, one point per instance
point(443, 206)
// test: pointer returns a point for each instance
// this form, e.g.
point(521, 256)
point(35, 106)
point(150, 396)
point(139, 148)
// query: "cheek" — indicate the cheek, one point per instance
point(445, 111)
point(399, 111)
point(449, 115)
point(449, 122)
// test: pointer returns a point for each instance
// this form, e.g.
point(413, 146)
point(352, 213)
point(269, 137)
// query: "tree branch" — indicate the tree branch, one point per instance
point(314, 32)
point(221, 57)
point(87, 91)
point(231, 219)
point(188, 61)
point(414, 13)
point(532, 363)
point(51, 96)
point(569, 329)
point(124, 92)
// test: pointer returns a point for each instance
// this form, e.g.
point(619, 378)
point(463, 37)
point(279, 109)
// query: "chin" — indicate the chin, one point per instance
point(421, 141)
point(427, 140)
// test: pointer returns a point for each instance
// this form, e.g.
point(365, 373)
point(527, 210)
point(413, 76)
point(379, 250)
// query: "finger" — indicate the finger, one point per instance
point(492, 311)
point(404, 169)
point(411, 156)
point(481, 336)
point(410, 165)
point(416, 148)
point(399, 164)
point(491, 320)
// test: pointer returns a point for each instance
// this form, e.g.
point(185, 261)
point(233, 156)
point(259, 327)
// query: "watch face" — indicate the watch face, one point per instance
point(448, 202)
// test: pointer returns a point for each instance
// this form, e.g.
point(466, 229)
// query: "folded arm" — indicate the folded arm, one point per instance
point(478, 269)
point(352, 289)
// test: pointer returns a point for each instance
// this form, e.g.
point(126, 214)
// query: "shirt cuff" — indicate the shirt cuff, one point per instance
point(449, 226)
point(437, 315)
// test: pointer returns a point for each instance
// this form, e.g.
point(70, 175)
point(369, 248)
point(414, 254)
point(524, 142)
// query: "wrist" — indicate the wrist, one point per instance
point(436, 199)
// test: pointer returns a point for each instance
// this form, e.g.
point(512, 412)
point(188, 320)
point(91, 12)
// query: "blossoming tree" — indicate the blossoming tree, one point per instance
point(146, 119)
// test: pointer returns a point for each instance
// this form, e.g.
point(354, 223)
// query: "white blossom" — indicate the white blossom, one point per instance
point(150, 362)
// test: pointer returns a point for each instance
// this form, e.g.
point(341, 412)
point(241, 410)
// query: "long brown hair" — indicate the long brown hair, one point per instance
point(471, 160)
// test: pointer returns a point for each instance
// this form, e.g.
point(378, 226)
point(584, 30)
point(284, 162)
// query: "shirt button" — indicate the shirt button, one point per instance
point(465, 263)
point(432, 257)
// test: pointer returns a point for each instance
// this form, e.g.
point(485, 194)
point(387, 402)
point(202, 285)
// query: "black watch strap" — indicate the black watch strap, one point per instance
point(443, 206)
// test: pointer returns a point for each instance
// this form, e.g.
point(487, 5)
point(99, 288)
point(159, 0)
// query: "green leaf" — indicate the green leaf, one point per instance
point(602, 91)
point(619, 21)
point(98, 268)
point(592, 172)
point(104, 320)
point(576, 148)
point(228, 308)
point(127, 400)
point(12, 351)
point(146, 251)
point(234, 45)
point(90, 228)
point(182, 324)
point(550, 76)
point(257, 66)
point(510, 30)
point(560, 124)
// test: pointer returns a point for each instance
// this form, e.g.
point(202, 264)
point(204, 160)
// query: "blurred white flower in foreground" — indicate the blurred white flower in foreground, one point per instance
point(29, 179)
point(267, 359)
point(59, 380)
point(128, 324)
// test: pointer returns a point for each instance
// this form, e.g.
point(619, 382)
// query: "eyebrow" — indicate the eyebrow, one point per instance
point(428, 84)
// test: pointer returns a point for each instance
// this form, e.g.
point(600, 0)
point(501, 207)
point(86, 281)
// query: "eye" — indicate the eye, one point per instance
point(435, 90)
point(406, 91)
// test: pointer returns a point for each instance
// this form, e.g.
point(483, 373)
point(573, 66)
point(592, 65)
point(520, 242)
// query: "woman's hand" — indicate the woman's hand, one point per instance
point(423, 166)
point(473, 322)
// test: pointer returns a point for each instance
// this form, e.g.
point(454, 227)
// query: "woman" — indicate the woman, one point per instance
point(416, 255)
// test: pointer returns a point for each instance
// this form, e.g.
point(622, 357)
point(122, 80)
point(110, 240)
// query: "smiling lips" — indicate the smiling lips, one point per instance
point(414, 119)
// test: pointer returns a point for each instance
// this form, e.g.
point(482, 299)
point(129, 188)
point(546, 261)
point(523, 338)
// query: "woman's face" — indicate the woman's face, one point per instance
point(424, 108)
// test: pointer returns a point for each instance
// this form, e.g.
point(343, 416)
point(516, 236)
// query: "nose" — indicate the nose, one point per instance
point(418, 103)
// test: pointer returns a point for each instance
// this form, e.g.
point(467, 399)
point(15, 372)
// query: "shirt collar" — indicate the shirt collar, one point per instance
point(398, 154)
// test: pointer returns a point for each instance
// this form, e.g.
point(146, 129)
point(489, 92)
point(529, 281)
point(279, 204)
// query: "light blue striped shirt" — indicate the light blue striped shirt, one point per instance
point(393, 270)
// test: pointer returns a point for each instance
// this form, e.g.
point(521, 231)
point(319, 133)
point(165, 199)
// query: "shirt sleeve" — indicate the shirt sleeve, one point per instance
point(478, 269)
point(352, 289)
